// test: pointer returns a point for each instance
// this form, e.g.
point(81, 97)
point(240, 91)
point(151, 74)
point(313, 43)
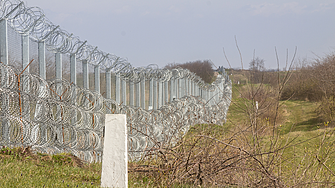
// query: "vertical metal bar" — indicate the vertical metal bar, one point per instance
point(208, 96)
point(154, 94)
point(160, 94)
point(117, 88)
point(41, 60)
point(86, 82)
point(58, 66)
point(73, 70)
point(108, 85)
point(124, 92)
point(97, 78)
point(3, 41)
point(176, 86)
point(137, 94)
point(172, 89)
point(131, 93)
point(189, 87)
point(217, 93)
point(193, 88)
point(25, 51)
point(108, 88)
point(151, 94)
point(143, 93)
point(58, 72)
point(166, 92)
point(180, 89)
point(4, 60)
point(185, 86)
point(73, 79)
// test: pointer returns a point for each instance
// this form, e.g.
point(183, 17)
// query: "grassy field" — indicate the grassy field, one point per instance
point(311, 151)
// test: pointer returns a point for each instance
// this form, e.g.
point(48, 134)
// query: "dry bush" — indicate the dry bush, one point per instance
point(313, 81)
point(303, 86)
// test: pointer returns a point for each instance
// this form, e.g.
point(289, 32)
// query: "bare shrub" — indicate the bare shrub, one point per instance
point(252, 153)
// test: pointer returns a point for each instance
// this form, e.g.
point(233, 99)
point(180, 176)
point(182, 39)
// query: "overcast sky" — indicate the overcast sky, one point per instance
point(178, 31)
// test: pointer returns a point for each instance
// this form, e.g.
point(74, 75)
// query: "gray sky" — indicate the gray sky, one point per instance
point(178, 31)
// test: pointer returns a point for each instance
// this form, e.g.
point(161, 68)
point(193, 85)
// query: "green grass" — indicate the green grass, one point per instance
point(20, 169)
point(300, 116)
point(24, 169)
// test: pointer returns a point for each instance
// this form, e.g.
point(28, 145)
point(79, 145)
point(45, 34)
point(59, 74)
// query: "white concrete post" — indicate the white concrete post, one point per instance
point(115, 153)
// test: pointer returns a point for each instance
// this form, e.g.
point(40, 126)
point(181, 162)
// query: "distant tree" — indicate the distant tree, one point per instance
point(256, 67)
point(257, 64)
point(203, 69)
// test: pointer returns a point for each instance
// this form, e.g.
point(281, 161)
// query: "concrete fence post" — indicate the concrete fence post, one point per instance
point(115, 153)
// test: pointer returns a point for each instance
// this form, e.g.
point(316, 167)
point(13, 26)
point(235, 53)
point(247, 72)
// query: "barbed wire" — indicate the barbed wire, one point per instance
point(32, 21)
point(57, 116)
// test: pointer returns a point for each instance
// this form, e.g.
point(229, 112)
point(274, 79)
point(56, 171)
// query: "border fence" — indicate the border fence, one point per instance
point(48, 99)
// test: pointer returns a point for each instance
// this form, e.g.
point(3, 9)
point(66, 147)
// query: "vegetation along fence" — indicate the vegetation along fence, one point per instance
point(47, 101)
